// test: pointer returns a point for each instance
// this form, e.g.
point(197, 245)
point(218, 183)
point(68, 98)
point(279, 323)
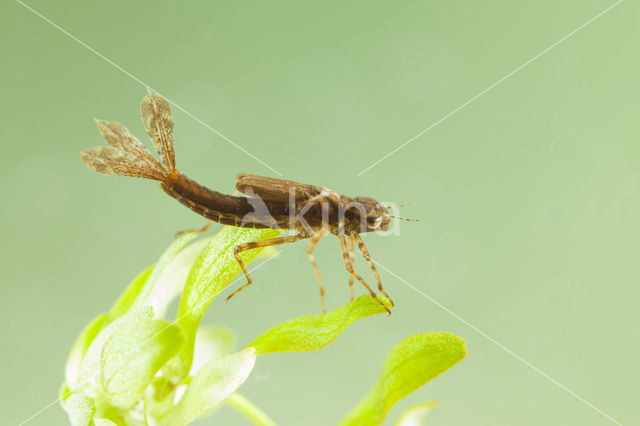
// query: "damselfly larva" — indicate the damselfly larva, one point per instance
point(309, 210)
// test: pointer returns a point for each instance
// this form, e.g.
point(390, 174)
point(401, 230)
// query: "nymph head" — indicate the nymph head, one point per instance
point(367, 215)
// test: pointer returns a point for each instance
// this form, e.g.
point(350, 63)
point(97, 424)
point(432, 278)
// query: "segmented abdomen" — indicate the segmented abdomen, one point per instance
point(225, 209)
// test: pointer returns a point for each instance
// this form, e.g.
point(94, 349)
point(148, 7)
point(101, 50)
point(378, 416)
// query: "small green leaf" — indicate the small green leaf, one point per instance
point(159, 398)
point(80, 409)
point(88, 377)
point(132, 356)
point(159, 268)
point(315, 331)
point(212, 271)
point(408, 366)
point(80, 347)
point(172, 280)
point(125, 301)
point(212, 341)
point(415, 415)
point(213, 384)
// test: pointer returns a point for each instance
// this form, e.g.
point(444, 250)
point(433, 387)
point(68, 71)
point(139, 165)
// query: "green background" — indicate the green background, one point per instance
point(528, 197)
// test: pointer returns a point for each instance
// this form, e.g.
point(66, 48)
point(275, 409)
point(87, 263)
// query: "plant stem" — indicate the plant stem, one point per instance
point(252, 412)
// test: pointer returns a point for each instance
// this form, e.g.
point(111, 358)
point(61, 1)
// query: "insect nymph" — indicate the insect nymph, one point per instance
point(310, 210)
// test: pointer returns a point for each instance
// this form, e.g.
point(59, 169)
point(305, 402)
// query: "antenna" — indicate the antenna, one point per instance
point(397, 206)
point(404, 218)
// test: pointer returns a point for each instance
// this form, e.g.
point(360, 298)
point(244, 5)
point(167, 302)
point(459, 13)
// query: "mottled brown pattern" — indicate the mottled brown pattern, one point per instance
point(112, 161)
point(158, 120)
point(122, 139)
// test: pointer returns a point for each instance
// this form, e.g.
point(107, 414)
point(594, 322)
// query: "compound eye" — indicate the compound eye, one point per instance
point(374, 223)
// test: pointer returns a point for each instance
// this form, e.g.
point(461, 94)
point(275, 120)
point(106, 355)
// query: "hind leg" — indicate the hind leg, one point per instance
point(202, 230)
point(256, 244)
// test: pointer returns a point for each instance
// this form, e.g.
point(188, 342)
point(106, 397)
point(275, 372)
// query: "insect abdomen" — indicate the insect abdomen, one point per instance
point(221, 208)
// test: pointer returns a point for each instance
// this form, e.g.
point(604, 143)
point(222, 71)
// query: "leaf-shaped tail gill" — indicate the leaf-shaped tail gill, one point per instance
point(126, 156)
point(158, 121)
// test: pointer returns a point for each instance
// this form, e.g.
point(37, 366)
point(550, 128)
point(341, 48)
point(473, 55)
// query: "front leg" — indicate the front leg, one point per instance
point(349, 266)
point(367, 257)
point(351, 258)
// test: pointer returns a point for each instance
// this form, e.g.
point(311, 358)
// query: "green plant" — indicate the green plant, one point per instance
point(130, 366)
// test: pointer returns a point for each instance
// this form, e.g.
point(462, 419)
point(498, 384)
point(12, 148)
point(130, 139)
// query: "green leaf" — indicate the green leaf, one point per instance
point(315, 331)
point(79, 348)
point(125, 301)
point(213, 384)
point(159, 268)
point(172, 280)
point(133, 355)
point(212, 271)
point(80, 409)
point(415, 415)
point(142, 285)
point(159, 398)
point(88, 376)
point(408, 366)
point(212, 341)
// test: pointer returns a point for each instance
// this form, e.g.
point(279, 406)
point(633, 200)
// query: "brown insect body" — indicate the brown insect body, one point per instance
point(271, 203)
point(222, 208)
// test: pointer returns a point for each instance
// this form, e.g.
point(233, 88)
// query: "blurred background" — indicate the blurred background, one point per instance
point(529, 196)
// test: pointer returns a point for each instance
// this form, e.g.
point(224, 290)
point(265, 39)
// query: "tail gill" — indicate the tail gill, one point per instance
point(126, 155)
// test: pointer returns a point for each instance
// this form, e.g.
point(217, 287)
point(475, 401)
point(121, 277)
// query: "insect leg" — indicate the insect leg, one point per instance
point(351, 256)
point(367, 257)
point(199, 231)
point(310, 247)
point(256, 244)
point(349, 265)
